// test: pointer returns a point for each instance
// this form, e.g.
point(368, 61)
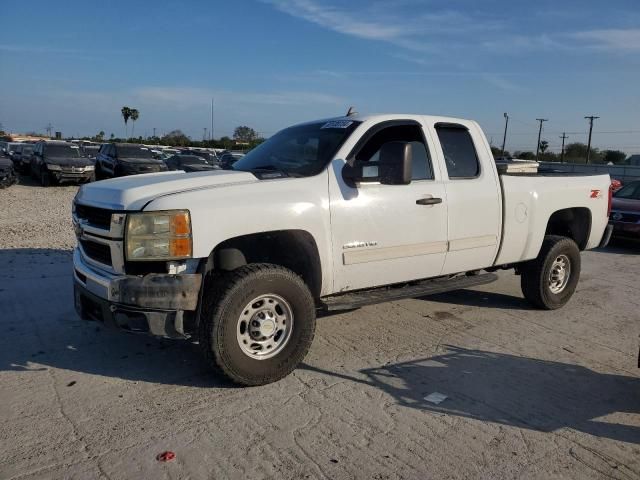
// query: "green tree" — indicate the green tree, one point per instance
point(544, 146)
point(226, 143)
point(614, 156)
point(497, 153)
point(577, 153)
point(525, 155)
point(126, 114)
point(135, 114)
point(244, 134)
point(176, 138)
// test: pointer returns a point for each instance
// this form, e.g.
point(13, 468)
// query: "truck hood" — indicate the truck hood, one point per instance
point(134, 192)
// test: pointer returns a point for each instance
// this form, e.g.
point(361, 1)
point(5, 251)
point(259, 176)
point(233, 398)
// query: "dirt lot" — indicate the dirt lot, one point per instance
point(530, 394)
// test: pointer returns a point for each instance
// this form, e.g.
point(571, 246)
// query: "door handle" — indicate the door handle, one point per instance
point(428, 201)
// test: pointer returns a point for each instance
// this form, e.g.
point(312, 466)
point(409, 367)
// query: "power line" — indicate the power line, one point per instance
point(506, 125)
point(563, 137)
point(591, 118)
point(541, 120)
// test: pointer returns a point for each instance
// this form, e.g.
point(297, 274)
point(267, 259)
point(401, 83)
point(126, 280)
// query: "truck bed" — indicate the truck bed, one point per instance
point(530, 199)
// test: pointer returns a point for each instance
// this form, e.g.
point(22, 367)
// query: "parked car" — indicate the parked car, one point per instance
point(9, 148)
point(60, 162)
point(7, 173)
point(22, 157)
point(625, 211)
point(121, 159)
point(616, 184)
point(189, 163)
point(333, 214)
point(89, 151)
point(199, 153)
point(227, 159)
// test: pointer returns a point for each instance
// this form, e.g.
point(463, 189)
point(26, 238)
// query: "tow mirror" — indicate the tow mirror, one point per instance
point(393, 166)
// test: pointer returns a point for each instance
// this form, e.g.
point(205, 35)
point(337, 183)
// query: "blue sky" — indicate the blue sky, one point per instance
point(275, 62)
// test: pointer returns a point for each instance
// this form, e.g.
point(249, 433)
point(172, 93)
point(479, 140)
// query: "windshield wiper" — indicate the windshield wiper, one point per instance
point(269, 168)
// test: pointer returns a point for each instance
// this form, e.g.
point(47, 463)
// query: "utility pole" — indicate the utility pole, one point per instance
point(506, 126)
point(211, 131)
point(591, 118)
point(204, 135)
point(154, 132)
point(563, 137)
point(541, 120)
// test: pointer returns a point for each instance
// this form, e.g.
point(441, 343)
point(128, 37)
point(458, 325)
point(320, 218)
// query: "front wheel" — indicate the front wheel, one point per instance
point(257, 324)
point(549, 281)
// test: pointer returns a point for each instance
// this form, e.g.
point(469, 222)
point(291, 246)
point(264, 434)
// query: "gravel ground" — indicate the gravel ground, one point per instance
point(530, 394)
point(32, 216)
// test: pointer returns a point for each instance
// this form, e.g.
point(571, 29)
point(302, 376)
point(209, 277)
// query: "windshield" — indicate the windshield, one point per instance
point(298, 151)
point(631, 191)
point(62, 151)
point(134, 152)
point(27, 149)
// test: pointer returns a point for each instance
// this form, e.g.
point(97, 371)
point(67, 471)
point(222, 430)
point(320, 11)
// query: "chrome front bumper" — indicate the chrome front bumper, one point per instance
point(159, 304)
point(156, 290)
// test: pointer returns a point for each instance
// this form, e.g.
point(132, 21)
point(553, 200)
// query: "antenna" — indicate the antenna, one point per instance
point(351, 112)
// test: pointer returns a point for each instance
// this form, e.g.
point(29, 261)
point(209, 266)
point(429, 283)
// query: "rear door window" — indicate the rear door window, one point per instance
point(460, 154)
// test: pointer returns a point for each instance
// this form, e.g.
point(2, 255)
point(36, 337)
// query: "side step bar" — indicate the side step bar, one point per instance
point(351, 300)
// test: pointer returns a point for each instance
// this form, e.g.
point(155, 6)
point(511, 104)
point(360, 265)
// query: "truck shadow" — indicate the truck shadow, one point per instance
point(505, 389)
point(476, 298)
point(621, 246)
point(41, 330)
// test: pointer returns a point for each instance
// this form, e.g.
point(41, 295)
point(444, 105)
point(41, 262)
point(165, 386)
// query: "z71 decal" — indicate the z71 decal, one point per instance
point(596, 193)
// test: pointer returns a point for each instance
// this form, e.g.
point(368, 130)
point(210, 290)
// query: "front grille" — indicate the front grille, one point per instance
point(95, 216)
point(97, 251)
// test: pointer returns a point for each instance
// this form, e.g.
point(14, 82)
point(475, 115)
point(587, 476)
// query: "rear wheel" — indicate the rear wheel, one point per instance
point(45, 178)
point(257, 324)
point(549, 281)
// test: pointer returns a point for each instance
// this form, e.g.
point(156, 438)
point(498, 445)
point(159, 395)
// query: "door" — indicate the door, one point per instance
point(384, 234)
point(473, 196)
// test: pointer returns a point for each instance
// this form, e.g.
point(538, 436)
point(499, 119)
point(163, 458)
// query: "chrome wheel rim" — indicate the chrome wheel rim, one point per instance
point(559, 274)
point(264, 327)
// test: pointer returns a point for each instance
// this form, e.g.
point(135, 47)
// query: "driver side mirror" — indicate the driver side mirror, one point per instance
point(393, 166)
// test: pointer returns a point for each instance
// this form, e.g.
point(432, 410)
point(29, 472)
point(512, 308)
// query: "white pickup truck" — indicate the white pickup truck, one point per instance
point(326, 215)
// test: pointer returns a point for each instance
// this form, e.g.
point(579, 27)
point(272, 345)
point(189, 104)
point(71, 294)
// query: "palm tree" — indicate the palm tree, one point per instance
point(135, 114)
point(126, 114)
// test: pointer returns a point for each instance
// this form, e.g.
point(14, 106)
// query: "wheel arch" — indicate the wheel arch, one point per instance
point(573, 223)
point(296, 250)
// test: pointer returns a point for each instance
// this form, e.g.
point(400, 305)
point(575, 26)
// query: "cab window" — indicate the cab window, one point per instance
point(421, 160)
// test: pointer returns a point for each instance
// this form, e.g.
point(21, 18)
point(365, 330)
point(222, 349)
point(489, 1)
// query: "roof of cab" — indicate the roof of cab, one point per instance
point(381, 117)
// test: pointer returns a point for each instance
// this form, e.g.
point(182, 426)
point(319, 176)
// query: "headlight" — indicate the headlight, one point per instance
point(162, 235)
point(89, 168)
point(53, 167)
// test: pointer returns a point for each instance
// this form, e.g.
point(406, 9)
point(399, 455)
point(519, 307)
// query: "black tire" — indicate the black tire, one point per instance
point(535, 274)
point(98, 172)
point(224, 301)
point(45, 179)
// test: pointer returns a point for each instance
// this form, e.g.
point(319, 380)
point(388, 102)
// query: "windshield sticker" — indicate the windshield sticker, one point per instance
point(337, 124)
